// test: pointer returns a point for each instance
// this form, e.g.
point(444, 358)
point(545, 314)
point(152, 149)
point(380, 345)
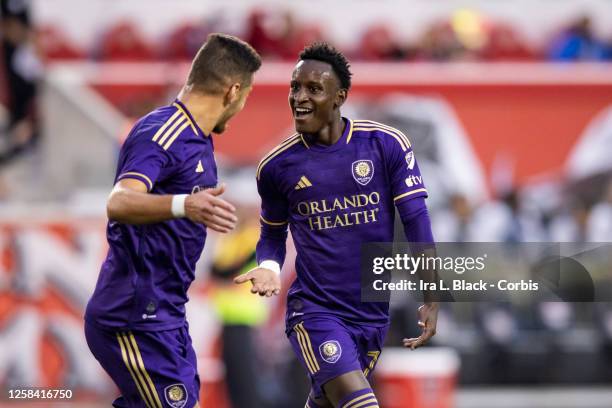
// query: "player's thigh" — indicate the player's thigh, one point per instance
point(346, 384)
point(326, 349)
point(151, 369)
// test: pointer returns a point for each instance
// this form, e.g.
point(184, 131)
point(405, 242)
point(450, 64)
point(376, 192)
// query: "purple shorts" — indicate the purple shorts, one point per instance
point(329, 347)
point(151, 369)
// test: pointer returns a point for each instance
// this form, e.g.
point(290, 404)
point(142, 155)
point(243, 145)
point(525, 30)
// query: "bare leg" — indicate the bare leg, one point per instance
point(341, 388)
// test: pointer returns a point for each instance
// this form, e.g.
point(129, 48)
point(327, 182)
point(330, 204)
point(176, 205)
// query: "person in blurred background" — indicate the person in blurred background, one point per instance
point(578, 42)
point(22, 69)
point(165, 196)
point(239, 312)
point(337, 183)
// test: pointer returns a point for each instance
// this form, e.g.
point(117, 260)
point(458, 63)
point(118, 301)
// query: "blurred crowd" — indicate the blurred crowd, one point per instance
point(466, 35)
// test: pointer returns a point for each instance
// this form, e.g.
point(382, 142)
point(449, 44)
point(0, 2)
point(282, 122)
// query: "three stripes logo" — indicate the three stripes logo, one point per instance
point(200, 168)
point(173, 127)
point(303, 183)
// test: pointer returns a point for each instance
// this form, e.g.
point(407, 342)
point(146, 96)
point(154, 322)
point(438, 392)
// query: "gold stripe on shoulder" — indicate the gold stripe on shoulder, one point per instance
point(281, 144)
point(180, 108)
point(278, 150)
point(396, 137)
point(165, 125)
point(168, 132)
point(175, 135)
point(387, 127)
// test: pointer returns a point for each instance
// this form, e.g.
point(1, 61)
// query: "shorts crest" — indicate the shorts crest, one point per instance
point(330, 351)
point(176, 395)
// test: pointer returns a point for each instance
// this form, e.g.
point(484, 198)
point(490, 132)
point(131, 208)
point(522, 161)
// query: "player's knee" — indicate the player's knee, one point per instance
point(363, 398)
point(350, 384)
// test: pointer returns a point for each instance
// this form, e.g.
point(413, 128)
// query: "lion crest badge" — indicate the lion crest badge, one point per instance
point(176, 395)
point(330, 351)
point(363, 171)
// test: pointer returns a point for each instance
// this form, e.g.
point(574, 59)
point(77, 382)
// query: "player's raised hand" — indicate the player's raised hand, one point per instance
point(266, 282)
point(206, 207)
point(428, 319)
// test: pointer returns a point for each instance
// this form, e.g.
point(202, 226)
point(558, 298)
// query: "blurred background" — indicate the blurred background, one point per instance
point(508, 104)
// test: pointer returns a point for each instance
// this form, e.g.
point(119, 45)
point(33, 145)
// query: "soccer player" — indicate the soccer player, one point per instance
point(336, 183)
point(165, 197)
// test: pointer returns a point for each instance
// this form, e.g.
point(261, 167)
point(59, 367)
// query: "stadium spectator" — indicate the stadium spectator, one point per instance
point(22, 69)
point(599, 223)
point(56, 45)
point(577, 43)
point(377, 44)
point(505, 44)
point(123, 42)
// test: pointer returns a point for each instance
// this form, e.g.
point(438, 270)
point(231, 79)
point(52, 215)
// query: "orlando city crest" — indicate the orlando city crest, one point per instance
point(363, 171)
point(330, 351)
point(176, 395)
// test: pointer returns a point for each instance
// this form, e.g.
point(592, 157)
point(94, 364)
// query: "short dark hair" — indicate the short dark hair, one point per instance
point(222, 60)
point(322, 51)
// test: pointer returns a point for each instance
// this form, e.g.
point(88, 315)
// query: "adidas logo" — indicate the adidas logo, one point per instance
point(303, 183)
point(199, 168)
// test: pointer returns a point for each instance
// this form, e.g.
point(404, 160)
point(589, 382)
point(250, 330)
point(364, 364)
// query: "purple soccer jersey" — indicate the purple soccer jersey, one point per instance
point(144, 280)
point(335, 198)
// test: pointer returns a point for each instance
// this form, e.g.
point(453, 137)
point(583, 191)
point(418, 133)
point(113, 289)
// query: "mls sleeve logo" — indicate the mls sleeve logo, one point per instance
point(176, 395)
point(410, 160)
point(330, 351)
point(363, 171)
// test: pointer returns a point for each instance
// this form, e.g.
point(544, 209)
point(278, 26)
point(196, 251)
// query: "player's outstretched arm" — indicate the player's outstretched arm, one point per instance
point(417, 228)
point(130, 203)
point(265, 281)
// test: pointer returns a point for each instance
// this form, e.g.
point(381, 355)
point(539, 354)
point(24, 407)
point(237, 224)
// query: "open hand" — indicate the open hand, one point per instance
point(265, 281)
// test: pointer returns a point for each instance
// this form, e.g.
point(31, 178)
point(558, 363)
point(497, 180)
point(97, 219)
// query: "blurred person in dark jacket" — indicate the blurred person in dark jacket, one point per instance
point(22, 70)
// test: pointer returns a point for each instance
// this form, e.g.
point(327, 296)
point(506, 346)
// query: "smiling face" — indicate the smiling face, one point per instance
point(314, 96)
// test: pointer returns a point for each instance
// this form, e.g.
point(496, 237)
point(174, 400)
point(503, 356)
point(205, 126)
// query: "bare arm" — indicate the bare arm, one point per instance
point(130, 203)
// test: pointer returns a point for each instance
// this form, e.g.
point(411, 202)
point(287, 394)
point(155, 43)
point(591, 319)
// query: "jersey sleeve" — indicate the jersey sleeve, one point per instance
point(142, 159)
point(274, 221)
point(404, 175)
point(274, 206)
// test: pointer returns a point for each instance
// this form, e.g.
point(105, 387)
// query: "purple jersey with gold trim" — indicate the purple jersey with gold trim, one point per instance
point(334, 199)
point(144, 280)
